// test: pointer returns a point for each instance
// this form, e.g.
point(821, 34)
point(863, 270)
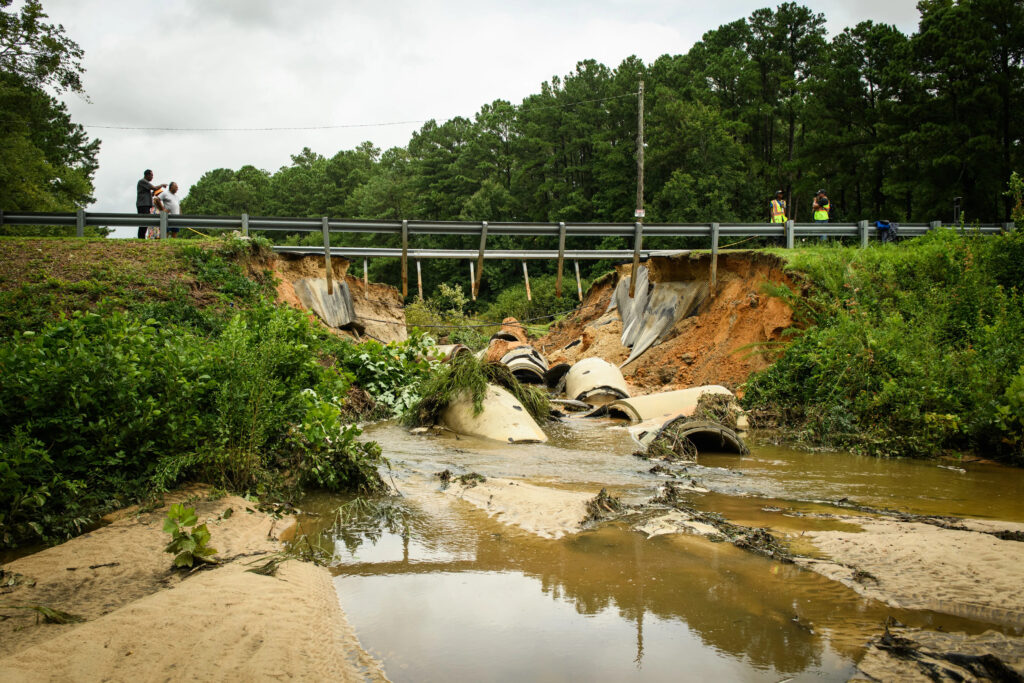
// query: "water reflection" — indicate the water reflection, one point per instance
point(425, 593)
point(448, 592)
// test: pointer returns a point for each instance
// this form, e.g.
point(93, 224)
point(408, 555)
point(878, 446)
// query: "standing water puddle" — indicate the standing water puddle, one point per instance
point(445, 591)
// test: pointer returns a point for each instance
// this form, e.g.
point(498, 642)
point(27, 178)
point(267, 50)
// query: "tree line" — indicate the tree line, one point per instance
point(893, 126)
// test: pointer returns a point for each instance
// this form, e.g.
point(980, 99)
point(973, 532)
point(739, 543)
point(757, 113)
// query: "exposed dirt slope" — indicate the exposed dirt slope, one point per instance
point(722, 344)
point(378, 307)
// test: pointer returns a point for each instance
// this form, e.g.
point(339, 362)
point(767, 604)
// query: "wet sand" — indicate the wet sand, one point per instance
point(967, 573)
point(146, 622)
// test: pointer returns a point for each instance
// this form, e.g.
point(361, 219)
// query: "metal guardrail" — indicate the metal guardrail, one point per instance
point(788, 232)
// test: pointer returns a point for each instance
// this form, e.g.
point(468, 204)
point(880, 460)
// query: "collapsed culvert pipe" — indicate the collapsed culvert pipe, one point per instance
point(684, 437)
point(595, 381)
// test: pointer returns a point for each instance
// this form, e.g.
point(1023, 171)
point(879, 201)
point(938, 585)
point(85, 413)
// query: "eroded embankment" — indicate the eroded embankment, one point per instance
point(723, 342)
point(379, 313)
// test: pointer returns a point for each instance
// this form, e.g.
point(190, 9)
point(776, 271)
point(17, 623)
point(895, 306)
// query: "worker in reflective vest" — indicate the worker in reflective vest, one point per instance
point(821, 207)
point(777, 208)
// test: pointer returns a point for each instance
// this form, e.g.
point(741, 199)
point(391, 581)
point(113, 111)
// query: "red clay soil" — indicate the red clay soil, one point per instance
point(722, 344)
point(378, 307)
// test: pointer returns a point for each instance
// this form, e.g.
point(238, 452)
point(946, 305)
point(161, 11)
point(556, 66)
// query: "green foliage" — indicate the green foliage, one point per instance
point(906, 351)
point(466, 372)
point(330, 457)
point(46, 161)
point(391, 373)
point(444, 315)
point(105, 409)
point(543, 303)
point(188, 545)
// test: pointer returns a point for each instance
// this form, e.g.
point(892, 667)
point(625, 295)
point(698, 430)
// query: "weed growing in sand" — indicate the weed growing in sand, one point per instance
point(188, 545)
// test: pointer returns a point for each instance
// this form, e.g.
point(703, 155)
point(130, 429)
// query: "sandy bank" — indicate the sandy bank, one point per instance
point(912, 565)
point(146, 622)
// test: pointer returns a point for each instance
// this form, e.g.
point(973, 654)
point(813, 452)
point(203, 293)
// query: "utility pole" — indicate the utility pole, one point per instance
point(640, 152)
point(639, 214)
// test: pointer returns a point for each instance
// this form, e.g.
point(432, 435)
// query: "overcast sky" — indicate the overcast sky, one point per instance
point(268, 63)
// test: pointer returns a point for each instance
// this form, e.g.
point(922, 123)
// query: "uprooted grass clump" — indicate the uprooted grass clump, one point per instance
point(754, 539)
point(602, 507)
point(717, 408)
point(466, 372)
point(671, 445)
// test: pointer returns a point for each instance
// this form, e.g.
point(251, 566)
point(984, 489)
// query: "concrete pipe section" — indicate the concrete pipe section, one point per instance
point(526, 364)
point(336, 309)
point(706, 437)
point(502, 419)
point(595, 381)
point(664, 406)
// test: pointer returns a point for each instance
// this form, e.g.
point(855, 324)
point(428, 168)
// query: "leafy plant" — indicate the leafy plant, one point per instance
point(466, 372)
point(188, 545)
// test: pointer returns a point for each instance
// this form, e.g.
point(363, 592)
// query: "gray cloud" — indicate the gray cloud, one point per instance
point(265, 63)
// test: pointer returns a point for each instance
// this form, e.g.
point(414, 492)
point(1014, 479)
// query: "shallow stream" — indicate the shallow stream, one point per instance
point(449, 592)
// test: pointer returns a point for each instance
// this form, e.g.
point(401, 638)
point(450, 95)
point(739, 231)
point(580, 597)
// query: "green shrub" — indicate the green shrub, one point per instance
point(512, 301)
point(105, 409)
point(907, 351)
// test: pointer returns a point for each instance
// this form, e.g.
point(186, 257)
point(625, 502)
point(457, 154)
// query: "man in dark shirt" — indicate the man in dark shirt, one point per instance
point(144, 200)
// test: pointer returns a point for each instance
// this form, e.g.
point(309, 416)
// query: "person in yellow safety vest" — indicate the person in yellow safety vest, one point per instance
point(777, 208)
point(821, 207)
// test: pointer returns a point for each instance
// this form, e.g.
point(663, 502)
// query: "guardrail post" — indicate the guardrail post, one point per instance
point(579, 285)
point(790, 234)
point(863, 227)
point(472, 279)
point(366, 274)
point(1, 218)
point(638, 240)
point(405, 259)
point(419, 279)
point(327, 255)
point(1009, 227)
point(561, 258)
point(714, 258)
point(245, 225)
point(934, 225)
point(480, 258)
point(526, 279)
point(163, 225)
point(80, 223)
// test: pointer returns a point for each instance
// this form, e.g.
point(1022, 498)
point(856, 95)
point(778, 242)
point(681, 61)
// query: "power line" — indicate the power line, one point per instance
point(263, 129)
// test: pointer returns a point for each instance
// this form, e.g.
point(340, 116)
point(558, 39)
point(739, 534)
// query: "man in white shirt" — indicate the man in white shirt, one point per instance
point(168, 202)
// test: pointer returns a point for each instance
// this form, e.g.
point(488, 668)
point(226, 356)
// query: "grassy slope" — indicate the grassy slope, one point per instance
point(126, 367)
point(908, 350)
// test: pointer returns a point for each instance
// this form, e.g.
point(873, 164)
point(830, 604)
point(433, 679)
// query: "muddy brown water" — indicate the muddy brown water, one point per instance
point(450, 593)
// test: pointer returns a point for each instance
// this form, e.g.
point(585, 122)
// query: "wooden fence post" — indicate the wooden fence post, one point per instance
point(327, 254)
point(480, 258)
point(714, 259)
point(405, 259)
point(561, 258)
